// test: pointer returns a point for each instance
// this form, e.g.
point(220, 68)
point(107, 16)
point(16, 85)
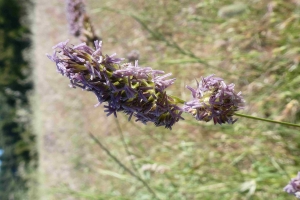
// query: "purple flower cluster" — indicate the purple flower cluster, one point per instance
point(75, 16)
point(137, 91)
point(214, 100)
point(294, 186)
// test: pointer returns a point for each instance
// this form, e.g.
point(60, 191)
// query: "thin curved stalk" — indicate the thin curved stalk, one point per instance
point(267, 120)
point(122, 165)
point(126, 147)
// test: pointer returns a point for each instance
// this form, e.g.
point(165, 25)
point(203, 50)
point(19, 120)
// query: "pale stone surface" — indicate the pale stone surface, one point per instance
point(63, 116)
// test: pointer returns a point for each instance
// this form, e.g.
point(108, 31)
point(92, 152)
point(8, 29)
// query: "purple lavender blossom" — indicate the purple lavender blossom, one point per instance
point(75, 15)
point(214, 100)
point(294, 186)
point(137, 91)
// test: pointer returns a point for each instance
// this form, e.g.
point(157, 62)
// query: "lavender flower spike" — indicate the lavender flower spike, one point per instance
point(214, 100)
point(79, 22)
point(294, 186)
point(75, 15)
point(137, 91)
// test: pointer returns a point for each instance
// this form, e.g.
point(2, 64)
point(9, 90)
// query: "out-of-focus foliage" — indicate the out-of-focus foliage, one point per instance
point(254, 45)
point(15, 136)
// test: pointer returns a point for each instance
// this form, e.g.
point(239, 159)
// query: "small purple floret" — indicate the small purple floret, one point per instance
point(294, 186)
point(214, 100)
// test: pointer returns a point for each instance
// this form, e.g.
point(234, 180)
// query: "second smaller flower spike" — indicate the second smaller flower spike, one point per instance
point(75, 15)
point(79, 22)
point(214, 100)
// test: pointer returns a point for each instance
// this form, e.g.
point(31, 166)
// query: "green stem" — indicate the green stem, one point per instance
point(177, 99)
point(126, 146)
point(267, 120)
point(123, 166)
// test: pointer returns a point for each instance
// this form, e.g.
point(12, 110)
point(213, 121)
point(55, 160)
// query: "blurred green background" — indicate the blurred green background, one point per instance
point(254, 44)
